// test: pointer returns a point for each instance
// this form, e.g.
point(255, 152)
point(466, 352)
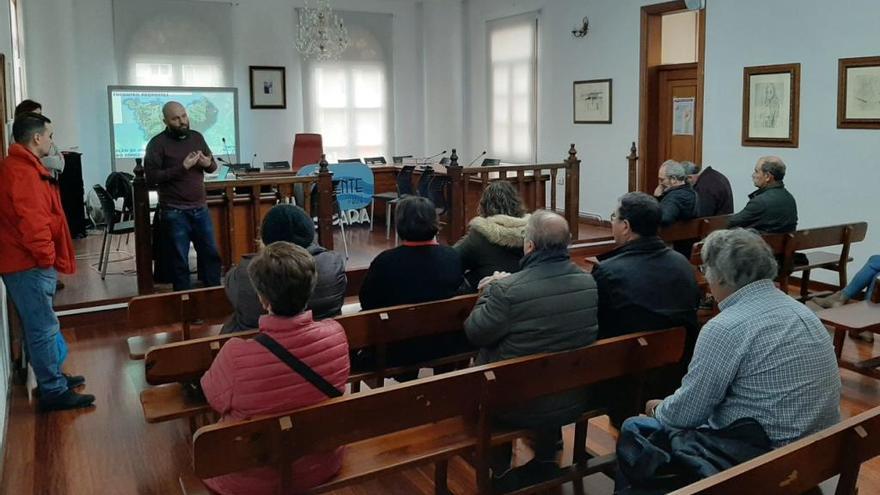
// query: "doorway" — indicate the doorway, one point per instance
point(671, 88)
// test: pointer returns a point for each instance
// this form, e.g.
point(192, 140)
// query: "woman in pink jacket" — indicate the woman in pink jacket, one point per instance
point(248, 380)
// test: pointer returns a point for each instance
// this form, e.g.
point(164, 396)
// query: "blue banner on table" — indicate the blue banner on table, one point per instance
point(354, 185)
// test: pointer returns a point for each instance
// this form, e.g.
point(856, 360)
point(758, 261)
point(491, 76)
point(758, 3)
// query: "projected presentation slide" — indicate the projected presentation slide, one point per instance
point(136, 116)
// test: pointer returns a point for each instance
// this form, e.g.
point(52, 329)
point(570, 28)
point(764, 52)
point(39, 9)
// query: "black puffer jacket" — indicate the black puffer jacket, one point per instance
point(678, 203)
point(491, 244)
point(550, 305)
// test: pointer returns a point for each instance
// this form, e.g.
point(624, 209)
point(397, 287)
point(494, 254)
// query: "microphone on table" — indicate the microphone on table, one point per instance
point(226, 148)
point(477, 158)
point(435, 156)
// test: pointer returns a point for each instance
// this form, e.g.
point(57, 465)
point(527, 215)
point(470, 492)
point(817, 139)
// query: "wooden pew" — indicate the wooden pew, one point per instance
point(376, 329)
point(835, 235)
point(186, 307)
point(857, 317)
point(425, 421)
point(802, 465)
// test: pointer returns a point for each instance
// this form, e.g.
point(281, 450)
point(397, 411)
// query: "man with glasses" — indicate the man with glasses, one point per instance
point(643, 285)
point(771, 209)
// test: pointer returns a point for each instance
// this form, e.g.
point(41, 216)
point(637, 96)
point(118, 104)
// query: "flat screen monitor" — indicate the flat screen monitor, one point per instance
point(136, 116)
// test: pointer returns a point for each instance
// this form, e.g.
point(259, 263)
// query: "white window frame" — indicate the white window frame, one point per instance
point(507, 155)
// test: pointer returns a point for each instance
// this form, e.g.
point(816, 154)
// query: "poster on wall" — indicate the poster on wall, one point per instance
point(858, 93)
point(770, 105)
point(592, 101)
point(683, 116)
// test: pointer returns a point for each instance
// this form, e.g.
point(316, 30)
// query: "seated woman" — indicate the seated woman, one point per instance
point(419, 270)
point(494, 240)
point(247, 380)
point(291, 224)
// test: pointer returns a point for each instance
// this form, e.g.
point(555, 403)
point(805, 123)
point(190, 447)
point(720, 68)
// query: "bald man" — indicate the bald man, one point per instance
point(771, 209)
point(550, 305)
point(175, 162)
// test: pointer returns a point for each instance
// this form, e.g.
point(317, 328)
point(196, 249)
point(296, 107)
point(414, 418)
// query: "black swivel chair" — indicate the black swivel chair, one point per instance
point(404, 188)
point(424, 182)
point(111, 227)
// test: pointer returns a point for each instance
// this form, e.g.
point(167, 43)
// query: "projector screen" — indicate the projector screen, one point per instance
point(136, 116)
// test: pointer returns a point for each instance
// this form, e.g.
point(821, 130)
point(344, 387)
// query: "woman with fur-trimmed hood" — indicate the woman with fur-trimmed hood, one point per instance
point(494, 241)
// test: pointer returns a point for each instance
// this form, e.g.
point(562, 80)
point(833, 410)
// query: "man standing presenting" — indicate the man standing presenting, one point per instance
point(176, 161)
point(35, 244)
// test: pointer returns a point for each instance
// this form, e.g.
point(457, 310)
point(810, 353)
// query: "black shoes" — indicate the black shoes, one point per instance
point(68, 400)
point(74, 381)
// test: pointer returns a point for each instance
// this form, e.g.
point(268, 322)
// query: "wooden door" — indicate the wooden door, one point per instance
point(678, 133)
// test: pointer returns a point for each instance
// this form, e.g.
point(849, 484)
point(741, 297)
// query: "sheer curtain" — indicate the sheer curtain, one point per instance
point(513, 68)
point(173, 42)
point(347, 100)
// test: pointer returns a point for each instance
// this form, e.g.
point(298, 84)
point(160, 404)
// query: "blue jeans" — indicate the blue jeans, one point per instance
point(31, 291)
point(192, 225)
point(864, 279)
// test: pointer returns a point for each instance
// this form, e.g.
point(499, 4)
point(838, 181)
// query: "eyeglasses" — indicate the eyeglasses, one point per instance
point(613, 216)
point(703, 268)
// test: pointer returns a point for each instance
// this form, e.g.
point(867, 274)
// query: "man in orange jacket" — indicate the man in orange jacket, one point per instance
point(35, 244)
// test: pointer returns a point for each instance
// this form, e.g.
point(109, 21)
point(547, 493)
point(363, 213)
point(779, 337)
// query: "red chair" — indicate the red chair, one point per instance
point(307, 149)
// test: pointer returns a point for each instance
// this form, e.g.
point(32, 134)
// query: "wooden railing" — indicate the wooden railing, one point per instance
point(250, 194)
point(530, 180)
point(632, 161)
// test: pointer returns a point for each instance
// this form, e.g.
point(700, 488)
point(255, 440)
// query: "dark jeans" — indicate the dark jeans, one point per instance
point(192, 225)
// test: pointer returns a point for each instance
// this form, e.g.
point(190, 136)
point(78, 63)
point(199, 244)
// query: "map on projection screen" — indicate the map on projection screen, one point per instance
point(136, 116)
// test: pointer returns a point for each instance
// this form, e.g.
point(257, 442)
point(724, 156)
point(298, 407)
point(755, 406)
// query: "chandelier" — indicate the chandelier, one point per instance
point(322, 33)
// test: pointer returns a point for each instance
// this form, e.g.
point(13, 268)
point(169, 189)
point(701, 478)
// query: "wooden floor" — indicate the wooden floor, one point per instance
point(110, 448)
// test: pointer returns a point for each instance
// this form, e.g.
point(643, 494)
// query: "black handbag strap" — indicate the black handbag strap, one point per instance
point(298, 366)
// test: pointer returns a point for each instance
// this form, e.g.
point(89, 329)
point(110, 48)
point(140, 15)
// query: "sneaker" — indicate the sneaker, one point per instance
point(833, 301)
point(74, 381)
point(68, 400)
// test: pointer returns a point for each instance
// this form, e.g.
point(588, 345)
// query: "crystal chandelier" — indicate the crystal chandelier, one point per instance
point(322, 33)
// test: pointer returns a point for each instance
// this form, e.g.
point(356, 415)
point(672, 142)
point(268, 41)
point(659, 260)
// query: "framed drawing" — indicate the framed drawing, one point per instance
point(268, 88)
point(771, 101)
point(592, 101)
point(858, 93)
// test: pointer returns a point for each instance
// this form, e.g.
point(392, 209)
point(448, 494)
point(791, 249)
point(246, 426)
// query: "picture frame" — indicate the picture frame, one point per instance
point(858, 93)
point(591, 101)
point(771, 105)
point(268, 87)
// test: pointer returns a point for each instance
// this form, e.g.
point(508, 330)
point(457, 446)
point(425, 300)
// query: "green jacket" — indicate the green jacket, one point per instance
point(771, 210)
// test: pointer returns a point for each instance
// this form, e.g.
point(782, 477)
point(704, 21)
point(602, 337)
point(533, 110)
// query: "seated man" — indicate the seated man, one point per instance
point(643, 285)
point(550, 305)
point(247, 379)
point(714, 196)
point(771, 209)
point(291, 224)
point(765, 360)
point(678, 201)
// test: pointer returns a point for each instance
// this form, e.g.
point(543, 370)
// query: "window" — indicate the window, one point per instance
point(513, 62)
point(165, 43)
point(18, 78)
point(348, 99)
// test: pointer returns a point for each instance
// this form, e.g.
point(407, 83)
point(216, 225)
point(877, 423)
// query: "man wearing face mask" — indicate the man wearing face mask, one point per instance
point(176, 161)
point(550, 305)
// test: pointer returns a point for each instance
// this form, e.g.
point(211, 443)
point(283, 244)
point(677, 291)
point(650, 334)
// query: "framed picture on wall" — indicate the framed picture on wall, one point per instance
point(858, 93)
point(268, 88)
point(592, 101)
point(771, 101)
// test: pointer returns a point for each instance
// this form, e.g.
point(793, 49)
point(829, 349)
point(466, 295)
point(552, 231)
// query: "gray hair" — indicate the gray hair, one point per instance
point(690, 168)
point(547, 230)
point(774, 166)
point(737, 257)
point(675, 170)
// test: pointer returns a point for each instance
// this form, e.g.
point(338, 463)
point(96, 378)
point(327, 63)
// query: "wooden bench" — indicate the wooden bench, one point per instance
point(376, 330)
point(823, 237)
point(185, 308)
point(862, 316)
point(801, 466)
point(426, 421)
